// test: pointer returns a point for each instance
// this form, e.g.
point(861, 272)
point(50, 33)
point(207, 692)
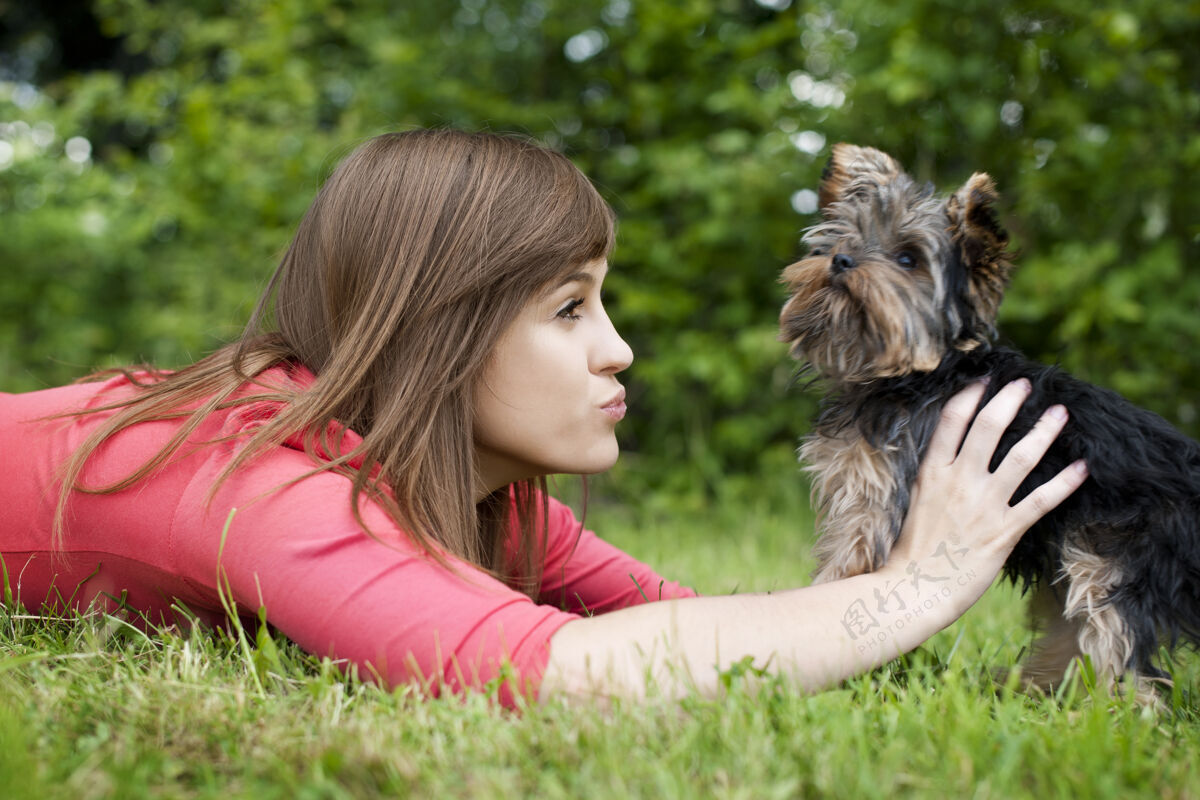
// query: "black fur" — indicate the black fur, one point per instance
point(1140, 506)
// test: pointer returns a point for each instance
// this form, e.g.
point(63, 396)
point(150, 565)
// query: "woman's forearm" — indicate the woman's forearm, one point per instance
point(817, 636)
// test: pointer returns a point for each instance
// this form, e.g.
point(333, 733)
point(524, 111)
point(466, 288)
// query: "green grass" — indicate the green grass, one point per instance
point(94, 709)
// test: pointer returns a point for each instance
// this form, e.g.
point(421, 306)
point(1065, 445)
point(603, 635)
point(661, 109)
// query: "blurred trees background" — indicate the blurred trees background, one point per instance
point(156, 156)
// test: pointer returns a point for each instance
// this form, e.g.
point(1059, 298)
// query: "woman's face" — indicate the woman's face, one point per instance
point(549, 400)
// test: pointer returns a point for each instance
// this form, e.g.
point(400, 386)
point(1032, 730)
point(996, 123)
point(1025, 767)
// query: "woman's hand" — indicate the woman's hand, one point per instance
point(961, 507)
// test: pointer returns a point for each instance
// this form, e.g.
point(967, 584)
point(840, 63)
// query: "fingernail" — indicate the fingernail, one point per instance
point(1057, 412)
point(1080, 466)
point(985, 380)
point(1025, 385)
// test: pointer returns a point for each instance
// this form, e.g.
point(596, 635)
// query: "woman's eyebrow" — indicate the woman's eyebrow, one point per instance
point(576, 277)
point(587, 278)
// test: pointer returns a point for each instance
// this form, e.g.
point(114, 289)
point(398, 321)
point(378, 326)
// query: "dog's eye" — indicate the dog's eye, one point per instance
point(906, 260)
point(816, 251)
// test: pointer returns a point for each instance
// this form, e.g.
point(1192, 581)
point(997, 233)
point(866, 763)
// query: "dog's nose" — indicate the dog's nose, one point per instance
point(843, 262)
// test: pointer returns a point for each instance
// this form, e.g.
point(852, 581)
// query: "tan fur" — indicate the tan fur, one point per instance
point(849, 164)
point(904, 348)
point(1076, 618)
point(1103, 634)
point(852, 492)
point(868, 327)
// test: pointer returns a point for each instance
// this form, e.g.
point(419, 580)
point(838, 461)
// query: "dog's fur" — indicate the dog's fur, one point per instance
point(894, 309)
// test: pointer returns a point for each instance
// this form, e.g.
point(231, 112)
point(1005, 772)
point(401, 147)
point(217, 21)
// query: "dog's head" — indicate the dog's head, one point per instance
point(895, 277)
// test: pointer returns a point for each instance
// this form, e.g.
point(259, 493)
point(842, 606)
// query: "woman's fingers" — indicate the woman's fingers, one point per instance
point(984, 436)
point(956, 416)
point(992, 422)
point(980, 437)
point(1046, 497)
point(1025, 454)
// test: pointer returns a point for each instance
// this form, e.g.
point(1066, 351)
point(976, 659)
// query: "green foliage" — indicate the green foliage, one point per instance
point(18, 759)
point(699, 120)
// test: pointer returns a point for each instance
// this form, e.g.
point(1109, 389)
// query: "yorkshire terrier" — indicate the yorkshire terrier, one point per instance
point(894, 310)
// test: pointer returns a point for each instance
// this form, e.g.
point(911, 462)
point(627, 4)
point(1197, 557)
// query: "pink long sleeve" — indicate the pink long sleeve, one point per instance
point(584, 574)
point(296, 551)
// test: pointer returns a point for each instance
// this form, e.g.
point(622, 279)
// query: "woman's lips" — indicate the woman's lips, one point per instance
point(616, 408)
point(617, 411)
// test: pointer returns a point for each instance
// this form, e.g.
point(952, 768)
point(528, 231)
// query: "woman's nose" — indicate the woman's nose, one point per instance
point(611, 353)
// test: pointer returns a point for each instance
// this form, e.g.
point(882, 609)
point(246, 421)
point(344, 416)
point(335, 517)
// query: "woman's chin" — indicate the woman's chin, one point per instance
point(600, 461)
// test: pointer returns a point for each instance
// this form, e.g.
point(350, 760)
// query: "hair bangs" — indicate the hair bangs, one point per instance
point(572, 225)
point(597, 224)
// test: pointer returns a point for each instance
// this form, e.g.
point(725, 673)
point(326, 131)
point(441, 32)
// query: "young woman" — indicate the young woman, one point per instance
point(368, 463)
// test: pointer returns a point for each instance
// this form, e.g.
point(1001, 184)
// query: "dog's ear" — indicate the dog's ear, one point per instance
point(849, 163)
point(982, 245)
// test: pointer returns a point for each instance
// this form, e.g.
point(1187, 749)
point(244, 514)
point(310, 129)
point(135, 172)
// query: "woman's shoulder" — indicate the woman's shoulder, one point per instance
point(92, 400)
point(55, 400)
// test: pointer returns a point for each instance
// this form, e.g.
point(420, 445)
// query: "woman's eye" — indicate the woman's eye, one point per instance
point(568, 311)
point(906, 260)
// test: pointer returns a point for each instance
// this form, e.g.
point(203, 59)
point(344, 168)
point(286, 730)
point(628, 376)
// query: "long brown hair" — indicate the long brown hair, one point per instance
point(416, 254)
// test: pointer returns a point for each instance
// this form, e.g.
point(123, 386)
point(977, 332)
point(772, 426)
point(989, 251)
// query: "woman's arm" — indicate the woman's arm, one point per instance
point(958, 533)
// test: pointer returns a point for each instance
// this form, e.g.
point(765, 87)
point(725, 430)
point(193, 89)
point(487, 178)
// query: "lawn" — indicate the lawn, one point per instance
point(95, 709)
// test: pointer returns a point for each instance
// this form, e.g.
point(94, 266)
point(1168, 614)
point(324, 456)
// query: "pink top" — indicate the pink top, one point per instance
point(295, 551)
